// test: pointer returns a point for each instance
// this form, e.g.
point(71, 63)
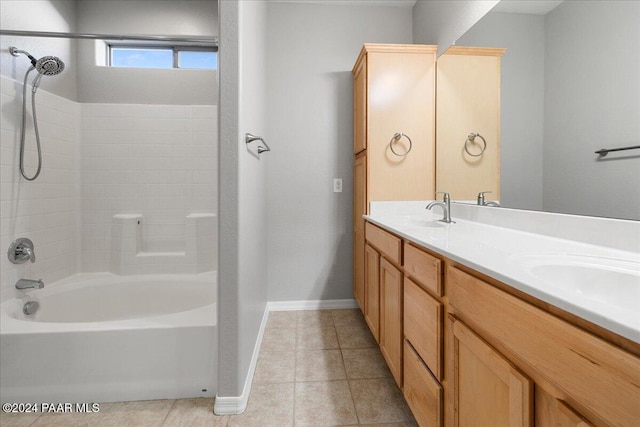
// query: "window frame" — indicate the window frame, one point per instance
point(151, 46)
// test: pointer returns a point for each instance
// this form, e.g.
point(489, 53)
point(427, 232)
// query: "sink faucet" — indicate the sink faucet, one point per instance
point(481, 201)
point(445, 204)
point(28, 284)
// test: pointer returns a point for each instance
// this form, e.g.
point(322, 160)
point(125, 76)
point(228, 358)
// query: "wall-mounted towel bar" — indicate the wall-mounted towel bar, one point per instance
point(603, 152)
point(248, 139)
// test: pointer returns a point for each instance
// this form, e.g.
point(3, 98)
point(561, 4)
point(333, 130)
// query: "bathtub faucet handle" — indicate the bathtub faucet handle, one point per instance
point(21, 250)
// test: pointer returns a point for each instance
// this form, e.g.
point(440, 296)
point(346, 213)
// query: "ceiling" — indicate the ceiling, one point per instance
point(535, 7)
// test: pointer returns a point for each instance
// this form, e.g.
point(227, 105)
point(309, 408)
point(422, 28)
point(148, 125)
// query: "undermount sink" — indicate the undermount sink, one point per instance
point(608, 280)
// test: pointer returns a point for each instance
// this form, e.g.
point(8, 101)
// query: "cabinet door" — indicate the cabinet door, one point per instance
point(372, 290)
point(360, 108)
point(550, 411)
point(488, 390)
point(391, 318)
point(421, 390)
point(359, 209)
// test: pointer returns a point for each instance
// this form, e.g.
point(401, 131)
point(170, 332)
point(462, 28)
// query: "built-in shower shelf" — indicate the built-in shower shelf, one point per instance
point(128, 254)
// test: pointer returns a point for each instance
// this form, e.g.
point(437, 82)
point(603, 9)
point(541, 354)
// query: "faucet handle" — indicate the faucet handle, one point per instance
point(446, 195)
point(481, 196)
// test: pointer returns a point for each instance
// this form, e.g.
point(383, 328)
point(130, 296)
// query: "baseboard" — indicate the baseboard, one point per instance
point(232, 405)
point(312, 305)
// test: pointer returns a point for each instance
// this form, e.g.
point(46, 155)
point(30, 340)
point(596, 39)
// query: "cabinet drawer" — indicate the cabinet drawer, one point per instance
point(601, 379)
point(389, 245)
point(422, 392)
point(423, 325)
point(425, 269)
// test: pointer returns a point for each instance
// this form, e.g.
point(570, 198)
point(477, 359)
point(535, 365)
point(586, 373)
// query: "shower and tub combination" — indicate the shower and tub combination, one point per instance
point(134, 317)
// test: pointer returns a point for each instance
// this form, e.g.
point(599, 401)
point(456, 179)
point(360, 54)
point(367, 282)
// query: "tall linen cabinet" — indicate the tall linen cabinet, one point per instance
point(394, 143)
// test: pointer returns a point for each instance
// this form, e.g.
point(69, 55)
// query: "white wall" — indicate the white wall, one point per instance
point(311, 51)
point(442, 22)
point(45, 210)
point(40, 15)
point(242, 222)
point(521, 103)
point(99, 84)
point(592, 101)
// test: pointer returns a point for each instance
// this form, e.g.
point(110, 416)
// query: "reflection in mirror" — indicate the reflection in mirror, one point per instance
point(570, 85)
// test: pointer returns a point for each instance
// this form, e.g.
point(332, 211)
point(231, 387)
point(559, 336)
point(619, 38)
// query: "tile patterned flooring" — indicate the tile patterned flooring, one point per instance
point(316, 368)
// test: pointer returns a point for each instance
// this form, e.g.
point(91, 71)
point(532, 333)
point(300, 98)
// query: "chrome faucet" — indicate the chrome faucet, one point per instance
point(445, 204)
point(29, 284)
point(481, 201)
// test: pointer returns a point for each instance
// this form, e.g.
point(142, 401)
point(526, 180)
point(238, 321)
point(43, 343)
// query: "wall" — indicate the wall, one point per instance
point(311, 51)
point(579, 121)
point(40, 15)
point(521, 103)
point(99, 84)
point(243, 192)
point(45, 210)
point(442, 22)
point(156, 160)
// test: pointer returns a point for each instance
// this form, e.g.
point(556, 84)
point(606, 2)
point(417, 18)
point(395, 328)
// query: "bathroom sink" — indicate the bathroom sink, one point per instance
point(607, 280)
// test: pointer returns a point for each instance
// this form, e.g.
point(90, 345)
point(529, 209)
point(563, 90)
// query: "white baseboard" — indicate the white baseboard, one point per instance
point(312, 305)
point(232, 405)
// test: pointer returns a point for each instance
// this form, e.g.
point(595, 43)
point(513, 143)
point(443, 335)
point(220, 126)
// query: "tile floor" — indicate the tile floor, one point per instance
point(316, 368)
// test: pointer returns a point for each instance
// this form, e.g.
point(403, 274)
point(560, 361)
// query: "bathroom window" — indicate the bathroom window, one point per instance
point(204, 58)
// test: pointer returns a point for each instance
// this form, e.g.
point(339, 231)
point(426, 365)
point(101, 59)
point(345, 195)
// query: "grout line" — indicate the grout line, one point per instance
point(175, 402)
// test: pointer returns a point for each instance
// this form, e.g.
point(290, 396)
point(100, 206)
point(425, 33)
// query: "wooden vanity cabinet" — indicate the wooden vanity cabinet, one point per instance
point(579, 378)
point(385, 251)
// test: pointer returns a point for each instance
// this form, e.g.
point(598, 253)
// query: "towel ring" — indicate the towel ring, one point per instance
point(471, 137)
point(396, 137)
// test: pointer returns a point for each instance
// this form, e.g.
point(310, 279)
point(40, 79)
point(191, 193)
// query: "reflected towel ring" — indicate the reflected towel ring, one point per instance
point(396, 137)
point(471, 137)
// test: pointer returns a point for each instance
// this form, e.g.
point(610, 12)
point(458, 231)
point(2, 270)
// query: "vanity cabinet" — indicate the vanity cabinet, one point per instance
point(579, 377)
point(468, 101)
point(394, 92)
point(385, 287)
point(468, 350)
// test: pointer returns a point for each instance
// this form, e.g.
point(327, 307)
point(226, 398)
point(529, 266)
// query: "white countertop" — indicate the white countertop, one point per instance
point(507, 254)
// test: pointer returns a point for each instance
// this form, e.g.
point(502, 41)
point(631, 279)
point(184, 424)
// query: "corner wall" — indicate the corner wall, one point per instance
point(242, 225)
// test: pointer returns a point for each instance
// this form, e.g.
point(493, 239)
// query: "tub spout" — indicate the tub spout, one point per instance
point(29, 284)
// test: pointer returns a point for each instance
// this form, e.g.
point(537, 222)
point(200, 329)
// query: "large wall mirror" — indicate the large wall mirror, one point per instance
point(570, 85)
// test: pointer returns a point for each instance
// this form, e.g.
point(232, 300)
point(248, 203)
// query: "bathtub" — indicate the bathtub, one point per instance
point(102, 338)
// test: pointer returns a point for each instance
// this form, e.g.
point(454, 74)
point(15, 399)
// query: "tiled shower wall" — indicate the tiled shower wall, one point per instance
point(47, 209)
point(100, 160)
point(154, 160)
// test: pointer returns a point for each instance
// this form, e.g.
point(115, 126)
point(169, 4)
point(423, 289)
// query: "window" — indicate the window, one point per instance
point(194, 57)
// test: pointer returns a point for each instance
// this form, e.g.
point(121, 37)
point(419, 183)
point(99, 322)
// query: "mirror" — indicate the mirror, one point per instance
point(570, 85)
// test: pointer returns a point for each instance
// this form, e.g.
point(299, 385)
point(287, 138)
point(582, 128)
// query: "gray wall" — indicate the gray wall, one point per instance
point(311, 51)
point(592, 101)
point(441, 22)
point(41, 15)
point(101, 84)
point(242, 224)
point(521, 103)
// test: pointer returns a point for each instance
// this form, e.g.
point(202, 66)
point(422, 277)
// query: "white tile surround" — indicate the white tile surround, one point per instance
point(45, 210)
point(100, 160)
point(155, 160)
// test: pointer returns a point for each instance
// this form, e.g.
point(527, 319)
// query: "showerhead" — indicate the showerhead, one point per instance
point(47, 65)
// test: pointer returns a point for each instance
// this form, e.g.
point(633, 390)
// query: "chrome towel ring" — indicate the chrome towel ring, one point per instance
point(396, 137)
point(471, 138)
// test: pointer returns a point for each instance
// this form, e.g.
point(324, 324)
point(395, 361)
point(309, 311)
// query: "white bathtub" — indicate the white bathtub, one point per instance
point(102, 338)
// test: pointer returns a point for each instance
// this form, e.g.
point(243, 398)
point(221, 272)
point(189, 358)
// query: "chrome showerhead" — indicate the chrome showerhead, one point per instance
point(49, 65)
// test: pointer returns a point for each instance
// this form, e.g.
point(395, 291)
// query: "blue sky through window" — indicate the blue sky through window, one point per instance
point(194, 59)
point(144, 58)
